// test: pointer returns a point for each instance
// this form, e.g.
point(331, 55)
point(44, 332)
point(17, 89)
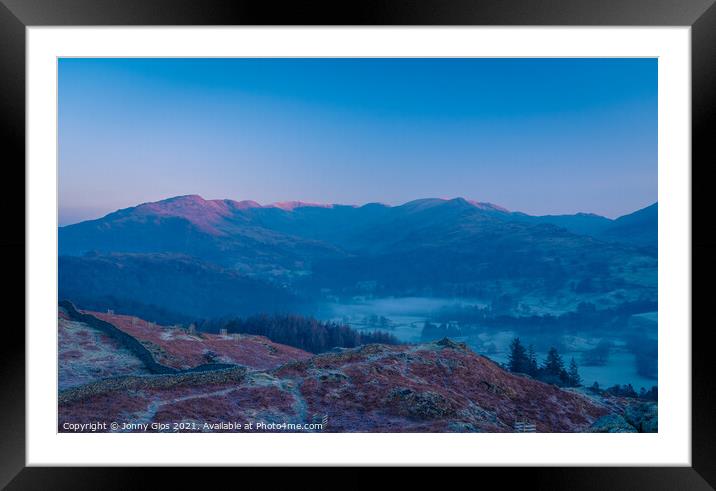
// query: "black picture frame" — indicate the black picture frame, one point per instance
point(16, 15)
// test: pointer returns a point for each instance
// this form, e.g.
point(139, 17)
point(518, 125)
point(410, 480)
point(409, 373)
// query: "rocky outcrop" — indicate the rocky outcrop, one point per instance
point(422, 405)
point(643, 416)
point(635, 417)
point(612, 423)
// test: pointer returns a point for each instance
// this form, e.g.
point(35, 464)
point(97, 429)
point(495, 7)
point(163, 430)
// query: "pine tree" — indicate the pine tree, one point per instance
point(574, 379)
point(553, 364)
point(518, 361)
point(532, 361)
point(564, 380)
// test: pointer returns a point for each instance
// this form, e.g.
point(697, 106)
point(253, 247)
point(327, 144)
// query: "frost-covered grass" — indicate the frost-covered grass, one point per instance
point(86, 354)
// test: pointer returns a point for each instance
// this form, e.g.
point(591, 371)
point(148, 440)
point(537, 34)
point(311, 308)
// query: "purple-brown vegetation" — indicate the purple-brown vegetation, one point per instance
point(439, 386)
point(178, 348)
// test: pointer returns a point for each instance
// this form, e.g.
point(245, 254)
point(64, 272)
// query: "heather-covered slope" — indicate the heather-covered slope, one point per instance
point(95, 346)
point(439, 386)
point(176, 347)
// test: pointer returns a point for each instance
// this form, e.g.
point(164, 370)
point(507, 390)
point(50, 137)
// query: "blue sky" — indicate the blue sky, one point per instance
point(543, 136)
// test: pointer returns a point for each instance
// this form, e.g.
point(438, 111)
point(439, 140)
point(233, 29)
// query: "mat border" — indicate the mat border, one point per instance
point(16, 15)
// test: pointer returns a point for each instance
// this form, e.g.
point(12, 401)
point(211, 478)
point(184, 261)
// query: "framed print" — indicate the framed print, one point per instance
point(403, 237)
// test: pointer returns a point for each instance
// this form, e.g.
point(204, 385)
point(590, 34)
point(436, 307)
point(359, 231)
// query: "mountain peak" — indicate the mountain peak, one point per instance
point(205, 214)
point(181, 200)
point(183, 197)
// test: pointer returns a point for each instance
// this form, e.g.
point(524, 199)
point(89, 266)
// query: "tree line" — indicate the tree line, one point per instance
point(466, 318)
point(552, 370)
point(306, 333)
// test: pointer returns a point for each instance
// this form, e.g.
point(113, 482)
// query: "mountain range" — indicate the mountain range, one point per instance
point(198, 257)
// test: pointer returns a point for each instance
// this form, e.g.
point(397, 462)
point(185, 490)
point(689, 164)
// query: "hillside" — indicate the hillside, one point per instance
point(109, 344)
point(196, 257)
point(440, 386)
point(86, 354)
point(176, 347)
point(639, 228)
point(167, 287)
point(431, 387)
point(193, 225)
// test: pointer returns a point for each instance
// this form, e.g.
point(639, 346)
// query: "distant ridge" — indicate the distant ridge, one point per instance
point(221, 217)
point(195, 201)
point(197, 257)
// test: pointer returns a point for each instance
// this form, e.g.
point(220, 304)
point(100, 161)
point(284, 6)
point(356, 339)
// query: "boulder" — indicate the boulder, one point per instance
point(449, 343)
point(425, 405)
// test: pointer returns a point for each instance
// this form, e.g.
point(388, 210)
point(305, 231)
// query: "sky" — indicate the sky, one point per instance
point(541, 136)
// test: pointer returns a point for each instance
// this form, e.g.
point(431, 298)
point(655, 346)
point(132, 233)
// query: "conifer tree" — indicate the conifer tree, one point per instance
point(553, 364)
point(518, 361)
point(533, 368)
point(574, 379)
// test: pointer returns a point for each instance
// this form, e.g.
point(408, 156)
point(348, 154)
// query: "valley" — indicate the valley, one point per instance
point(405, 318)
point(328, 282)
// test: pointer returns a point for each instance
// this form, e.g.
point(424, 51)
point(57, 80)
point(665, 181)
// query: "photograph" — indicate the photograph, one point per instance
point(357, 245)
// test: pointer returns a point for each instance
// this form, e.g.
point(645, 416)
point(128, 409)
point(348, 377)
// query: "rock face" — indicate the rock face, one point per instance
point(432, 387)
